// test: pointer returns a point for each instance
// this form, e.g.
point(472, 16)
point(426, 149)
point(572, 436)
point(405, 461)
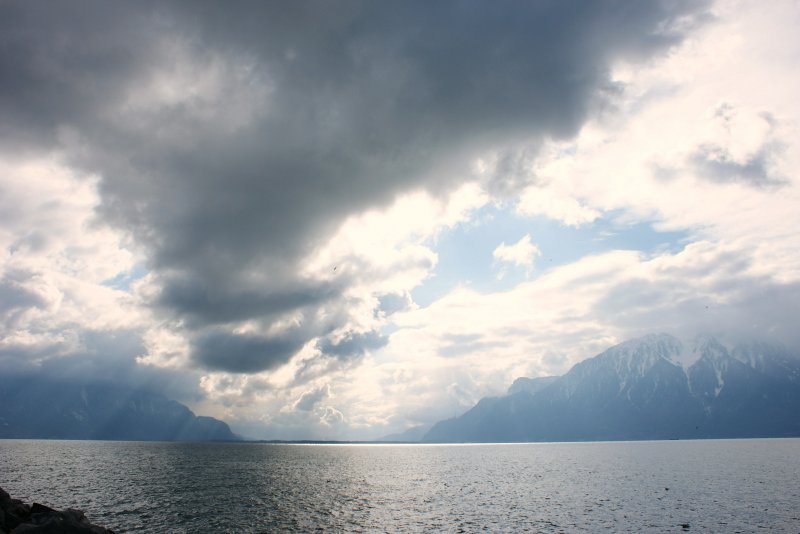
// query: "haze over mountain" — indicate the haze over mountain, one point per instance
point(415, 433)
point(50, 409)
point(653, 387)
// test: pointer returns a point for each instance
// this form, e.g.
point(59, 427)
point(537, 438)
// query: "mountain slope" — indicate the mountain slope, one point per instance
point(531, 385)
point(35, 408)
point(413, 434)
point(647, 388)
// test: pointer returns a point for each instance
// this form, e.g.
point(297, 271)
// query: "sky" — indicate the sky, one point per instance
point(339, 220)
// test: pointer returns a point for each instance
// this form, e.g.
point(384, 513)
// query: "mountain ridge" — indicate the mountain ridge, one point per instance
point(653, 387)
point(36, 408)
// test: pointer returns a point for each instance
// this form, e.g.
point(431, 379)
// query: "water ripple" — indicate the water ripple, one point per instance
point(731, 486)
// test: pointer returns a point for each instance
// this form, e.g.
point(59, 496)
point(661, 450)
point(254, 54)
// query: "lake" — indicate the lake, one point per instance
point(712, 486)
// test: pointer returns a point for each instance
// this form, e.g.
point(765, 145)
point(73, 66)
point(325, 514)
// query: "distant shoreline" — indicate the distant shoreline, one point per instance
point(375, 442)
point(333, 442)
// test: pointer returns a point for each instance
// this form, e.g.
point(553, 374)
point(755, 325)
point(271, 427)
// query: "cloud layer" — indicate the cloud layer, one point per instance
point(229, 142)
point(247, 195)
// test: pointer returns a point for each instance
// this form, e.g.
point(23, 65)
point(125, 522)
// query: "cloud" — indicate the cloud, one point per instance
point(332, 416)
point(58, 318)
point(696, 143)
point(85, 356)
point(561, 206)
point(351, 345)
point(716, 163)
point(311, 398)
point(19, 294)
point(735, 269)
point(461, 344)
point(544, 326)
point(745, 148)
point(200, 304)
point(522, 253)
point(245, 353)
point(509, 170)
point(274, 180)
point(230, 143)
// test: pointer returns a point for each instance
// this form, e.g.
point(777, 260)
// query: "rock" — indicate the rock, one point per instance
point(15, 512)
point(17, 517)
point(37, 508)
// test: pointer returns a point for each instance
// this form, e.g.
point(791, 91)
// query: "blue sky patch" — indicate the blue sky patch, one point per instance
point(124, 279)
point(465, 252)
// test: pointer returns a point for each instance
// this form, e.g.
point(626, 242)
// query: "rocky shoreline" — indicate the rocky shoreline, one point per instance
point(16, 517)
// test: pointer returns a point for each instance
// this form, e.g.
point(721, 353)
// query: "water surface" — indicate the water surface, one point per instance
point(715, 485)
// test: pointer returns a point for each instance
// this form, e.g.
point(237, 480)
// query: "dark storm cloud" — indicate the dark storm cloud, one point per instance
point(353, 345)
point(203, 305)
point(245, 353)
point(512, 171)
point(64, 64)
point(314, 110)
point(102, 357)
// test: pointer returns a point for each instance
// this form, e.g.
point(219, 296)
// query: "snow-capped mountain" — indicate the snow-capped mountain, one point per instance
point(654, 387)
point(771, 360)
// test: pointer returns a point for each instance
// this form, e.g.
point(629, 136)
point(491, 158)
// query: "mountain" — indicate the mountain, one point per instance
point(648, 388)
point(49, 409)
point(531, 385)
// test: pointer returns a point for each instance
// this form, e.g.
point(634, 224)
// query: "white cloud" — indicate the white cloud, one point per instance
point(379, 241)
point(523, 253)
point(700, 141)
point(544, 326)
point(558, 205)
point(331, 416)
point(311, 398)
point(56, 262)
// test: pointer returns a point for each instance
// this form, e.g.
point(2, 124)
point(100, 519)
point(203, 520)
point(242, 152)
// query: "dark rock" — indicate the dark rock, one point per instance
point(17, 517)
point(37, 508)
point(15, 512)
point(77, 515)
